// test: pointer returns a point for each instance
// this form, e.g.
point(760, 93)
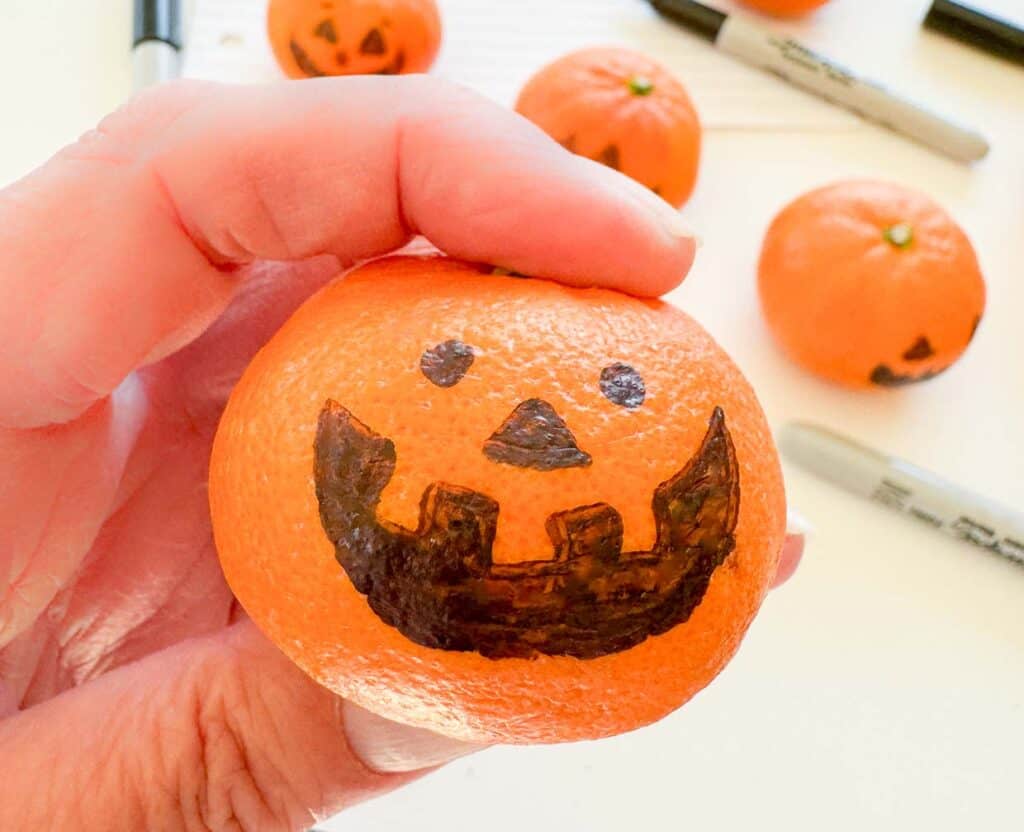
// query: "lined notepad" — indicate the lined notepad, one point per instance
point(494, 46)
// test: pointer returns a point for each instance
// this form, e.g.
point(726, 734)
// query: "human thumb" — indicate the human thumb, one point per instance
point(219, 732)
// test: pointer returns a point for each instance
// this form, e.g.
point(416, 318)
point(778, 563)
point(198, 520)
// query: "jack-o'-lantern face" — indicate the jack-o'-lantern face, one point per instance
point(313, 38)
point(437, 581)
point(870, 284)
point(919, 362)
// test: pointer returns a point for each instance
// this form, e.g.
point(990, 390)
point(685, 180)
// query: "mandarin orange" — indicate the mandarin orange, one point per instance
point(870, 284)
point(622, 109)
point(785, 8)
point(311, 38)
point(497, 507)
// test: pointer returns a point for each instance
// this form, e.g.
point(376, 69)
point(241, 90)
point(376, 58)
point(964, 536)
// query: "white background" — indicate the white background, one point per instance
point(883, 688)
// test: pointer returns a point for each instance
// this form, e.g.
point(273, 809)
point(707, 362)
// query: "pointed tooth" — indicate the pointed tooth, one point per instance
point(699, 506)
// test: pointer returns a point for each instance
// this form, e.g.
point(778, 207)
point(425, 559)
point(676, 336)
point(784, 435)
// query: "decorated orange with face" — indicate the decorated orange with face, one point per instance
point(622, 109)
point(311, 38)
point(870, 284)
point(497, 507)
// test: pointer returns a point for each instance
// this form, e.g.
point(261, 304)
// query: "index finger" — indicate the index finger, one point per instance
point(125, 246)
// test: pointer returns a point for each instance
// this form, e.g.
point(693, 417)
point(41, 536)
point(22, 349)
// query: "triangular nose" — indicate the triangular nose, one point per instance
point(535, 436)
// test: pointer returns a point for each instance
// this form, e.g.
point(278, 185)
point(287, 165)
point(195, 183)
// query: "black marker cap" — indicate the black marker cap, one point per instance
point(993, 34)
point(696, 17)
point(157, 20)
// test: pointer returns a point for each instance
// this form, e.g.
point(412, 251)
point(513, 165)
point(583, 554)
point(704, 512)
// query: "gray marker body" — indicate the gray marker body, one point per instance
point(785, 57)
point(153, 62)
point(904, 487)
point(754, 45)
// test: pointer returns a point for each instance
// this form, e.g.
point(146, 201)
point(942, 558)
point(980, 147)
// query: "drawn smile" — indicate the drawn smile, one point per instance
point(310, 67)
point(439, 587)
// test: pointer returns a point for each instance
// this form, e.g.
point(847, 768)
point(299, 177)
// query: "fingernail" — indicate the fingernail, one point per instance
point(666, 216)
point(678, 227)
point(789, 558)
point(797, 524)
point(390, 747)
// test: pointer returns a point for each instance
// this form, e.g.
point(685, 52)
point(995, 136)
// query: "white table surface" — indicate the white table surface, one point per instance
point(883, 688)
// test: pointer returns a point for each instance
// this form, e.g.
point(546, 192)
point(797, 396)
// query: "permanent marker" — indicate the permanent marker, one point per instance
point(156, 42)
point(904, 487)
point(784, 57)
point(993, 34)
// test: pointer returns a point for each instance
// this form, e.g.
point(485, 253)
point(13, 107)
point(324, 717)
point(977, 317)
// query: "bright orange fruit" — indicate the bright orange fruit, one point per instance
point(497, 507)
point(870, 284)
point(623, 109)
point(311, 38)
point(785, 8)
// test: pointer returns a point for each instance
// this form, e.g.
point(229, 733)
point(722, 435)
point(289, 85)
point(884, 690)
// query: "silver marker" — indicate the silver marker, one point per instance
point(784, 57)
point(156, 42)
point(904, 487)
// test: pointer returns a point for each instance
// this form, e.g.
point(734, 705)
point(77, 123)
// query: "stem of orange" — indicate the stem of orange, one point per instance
point(900, 235)
point(640, 85)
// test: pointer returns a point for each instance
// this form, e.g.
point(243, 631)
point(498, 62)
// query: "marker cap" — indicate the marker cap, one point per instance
point(992, 34)
point(157, 20)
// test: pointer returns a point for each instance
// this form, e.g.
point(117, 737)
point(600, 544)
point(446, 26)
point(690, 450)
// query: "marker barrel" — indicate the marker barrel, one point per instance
point(906, 488)
point(786, 58)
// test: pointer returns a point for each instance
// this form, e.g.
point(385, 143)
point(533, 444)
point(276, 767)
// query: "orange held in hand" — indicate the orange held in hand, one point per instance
point(785, 8)
point(870, 284)
point(311, 38)
point(622, 109)
point(497, 507)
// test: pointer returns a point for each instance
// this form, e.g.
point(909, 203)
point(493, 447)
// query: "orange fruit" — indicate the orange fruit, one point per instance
point(497, 507)
point(623, 109)
point(785, 8)
point(870, 284)
point(311, 38)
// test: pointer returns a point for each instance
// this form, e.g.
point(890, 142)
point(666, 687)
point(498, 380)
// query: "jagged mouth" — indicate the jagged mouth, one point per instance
point(438, 586)
point(884, 376)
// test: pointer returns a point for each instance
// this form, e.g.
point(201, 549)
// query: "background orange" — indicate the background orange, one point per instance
point(785, 8)
point(622, 109)
point(862, 275)
point(353, 37)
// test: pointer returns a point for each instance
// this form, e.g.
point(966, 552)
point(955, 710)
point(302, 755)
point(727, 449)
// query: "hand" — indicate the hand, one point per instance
point(140, 269)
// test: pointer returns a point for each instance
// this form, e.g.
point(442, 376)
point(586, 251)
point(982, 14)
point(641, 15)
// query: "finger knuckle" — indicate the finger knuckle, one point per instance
point(232, 783)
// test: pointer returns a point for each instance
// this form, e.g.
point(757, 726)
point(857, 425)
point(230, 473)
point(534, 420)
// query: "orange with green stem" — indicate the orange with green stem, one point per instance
point(622, 109)
point(870, 284)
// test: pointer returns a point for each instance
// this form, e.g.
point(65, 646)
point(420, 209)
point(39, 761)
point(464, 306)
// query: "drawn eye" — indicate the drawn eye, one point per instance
point(622, 385)
point(447, 363)
point(373, 43)
point(325, 29)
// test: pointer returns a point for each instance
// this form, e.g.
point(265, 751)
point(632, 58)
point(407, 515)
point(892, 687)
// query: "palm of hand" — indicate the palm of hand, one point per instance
point(148, 576)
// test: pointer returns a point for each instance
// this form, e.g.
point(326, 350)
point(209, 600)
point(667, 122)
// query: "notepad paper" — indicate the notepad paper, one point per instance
point(495, 45)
